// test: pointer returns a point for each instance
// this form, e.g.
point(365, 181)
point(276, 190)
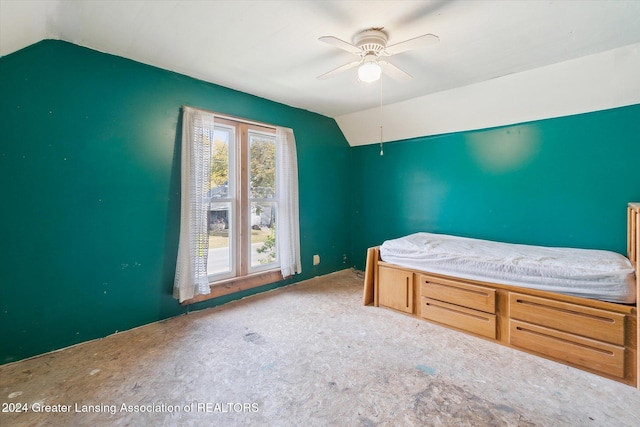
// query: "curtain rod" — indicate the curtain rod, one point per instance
point(237, 119)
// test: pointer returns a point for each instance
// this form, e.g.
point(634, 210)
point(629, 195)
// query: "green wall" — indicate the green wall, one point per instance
point(555, 182)
point(89, 183)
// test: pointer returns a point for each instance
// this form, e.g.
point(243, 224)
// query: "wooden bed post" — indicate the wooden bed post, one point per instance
point(636, 228)
point(369, 296)
point(633, 253)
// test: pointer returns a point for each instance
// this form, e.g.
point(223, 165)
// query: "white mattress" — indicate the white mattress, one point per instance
point(586, 273)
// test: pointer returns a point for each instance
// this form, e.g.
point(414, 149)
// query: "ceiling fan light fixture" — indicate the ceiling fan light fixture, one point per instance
point(369, 71)
point(370, 45)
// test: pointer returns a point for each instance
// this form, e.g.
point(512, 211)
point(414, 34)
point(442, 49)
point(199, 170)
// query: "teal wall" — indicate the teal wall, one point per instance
point(89, 183)
point(556, 182)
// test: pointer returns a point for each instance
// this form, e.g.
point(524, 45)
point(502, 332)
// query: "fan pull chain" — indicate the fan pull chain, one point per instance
point(381, 146)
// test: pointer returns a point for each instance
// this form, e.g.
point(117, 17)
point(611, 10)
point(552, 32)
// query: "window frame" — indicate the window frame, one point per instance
point(244, 277)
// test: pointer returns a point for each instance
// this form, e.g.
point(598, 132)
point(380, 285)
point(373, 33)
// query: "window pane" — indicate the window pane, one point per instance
point(221, 261)
point(262, 168)
point(263, 234)
point(219, 176)
point(220, 246)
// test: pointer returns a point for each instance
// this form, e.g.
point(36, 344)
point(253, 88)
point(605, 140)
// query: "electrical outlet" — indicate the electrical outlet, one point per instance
point(316, 259)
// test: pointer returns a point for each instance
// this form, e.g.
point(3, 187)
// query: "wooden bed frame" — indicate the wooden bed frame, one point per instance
point(595, 336)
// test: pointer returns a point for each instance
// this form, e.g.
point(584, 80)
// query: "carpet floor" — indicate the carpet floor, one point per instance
point(309, 354)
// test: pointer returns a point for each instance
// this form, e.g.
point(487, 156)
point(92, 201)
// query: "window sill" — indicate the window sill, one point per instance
point(237, 284)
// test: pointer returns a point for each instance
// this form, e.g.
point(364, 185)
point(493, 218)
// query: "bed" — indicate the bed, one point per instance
point(575, 306)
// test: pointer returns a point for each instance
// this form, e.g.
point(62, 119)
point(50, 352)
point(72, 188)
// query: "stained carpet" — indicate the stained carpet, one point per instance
point(306, 355)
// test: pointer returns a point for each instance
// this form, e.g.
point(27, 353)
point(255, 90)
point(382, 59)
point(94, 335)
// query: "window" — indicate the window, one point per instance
point(239, 206)
point(243, 206)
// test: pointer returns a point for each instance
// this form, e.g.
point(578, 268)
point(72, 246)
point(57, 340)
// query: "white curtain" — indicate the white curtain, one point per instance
point(288, 229)
point(193, 247)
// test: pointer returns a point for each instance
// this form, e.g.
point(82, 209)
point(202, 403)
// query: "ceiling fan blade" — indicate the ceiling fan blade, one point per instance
point(334, 41)
point(414, 43)
point(394, 72)
point(338, 70)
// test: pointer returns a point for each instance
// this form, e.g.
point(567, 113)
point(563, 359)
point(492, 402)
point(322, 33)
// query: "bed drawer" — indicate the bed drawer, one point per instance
point(466, 319)
point(585, 321)
point(471, 296)
point(564, 347)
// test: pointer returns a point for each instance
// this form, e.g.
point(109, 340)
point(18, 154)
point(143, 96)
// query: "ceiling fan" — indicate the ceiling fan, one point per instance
point(370, 45)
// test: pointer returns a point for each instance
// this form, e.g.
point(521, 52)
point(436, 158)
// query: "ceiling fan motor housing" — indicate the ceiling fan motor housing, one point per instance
point(371, 41)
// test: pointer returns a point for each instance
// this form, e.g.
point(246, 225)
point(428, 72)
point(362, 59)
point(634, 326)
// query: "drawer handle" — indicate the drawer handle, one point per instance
point(565, 310)
point(407, 291)
point(599, 350)
point(484, 319)
point(471, 291)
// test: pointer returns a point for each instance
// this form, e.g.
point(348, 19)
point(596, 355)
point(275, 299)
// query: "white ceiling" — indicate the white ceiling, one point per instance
point(271, 48)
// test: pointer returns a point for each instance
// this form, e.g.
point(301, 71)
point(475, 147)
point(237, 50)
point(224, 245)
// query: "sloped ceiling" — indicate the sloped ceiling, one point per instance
point(271, 48)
